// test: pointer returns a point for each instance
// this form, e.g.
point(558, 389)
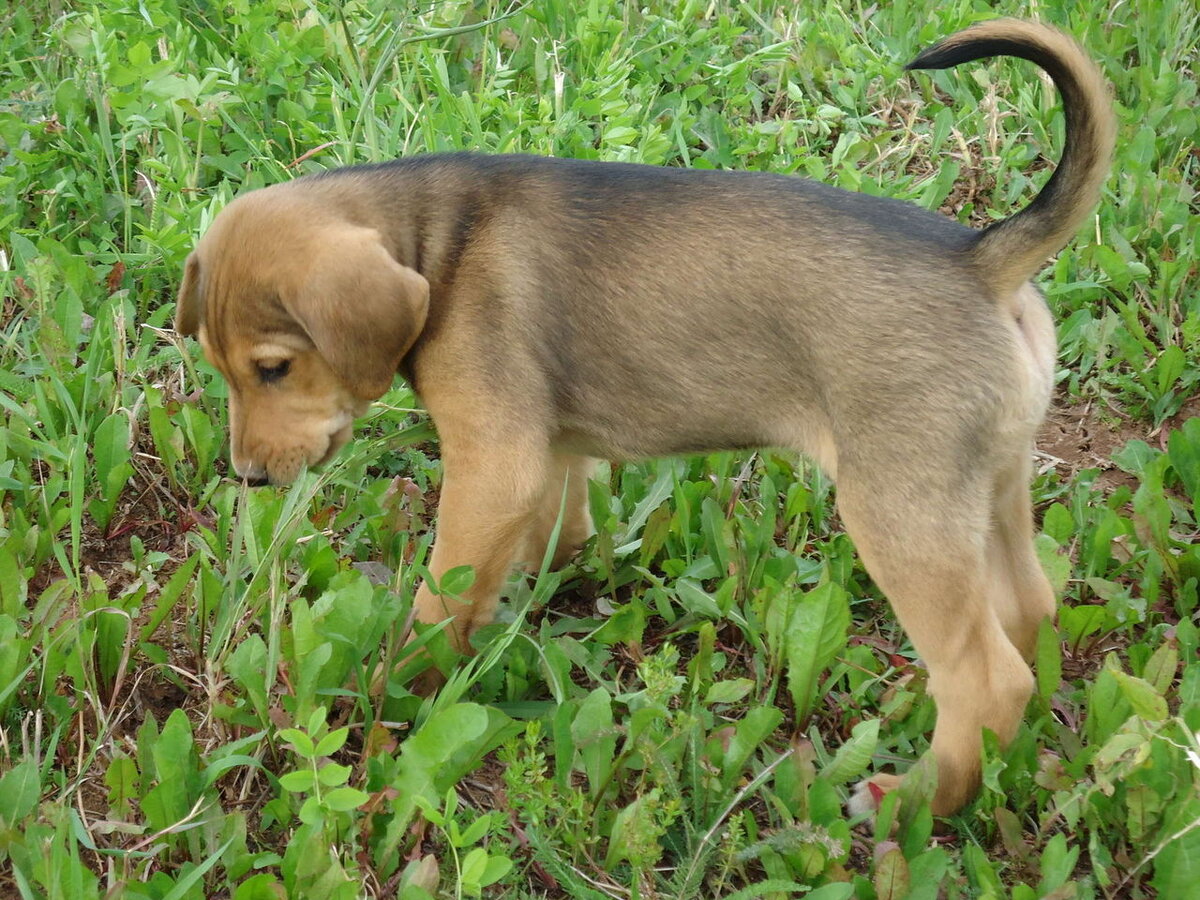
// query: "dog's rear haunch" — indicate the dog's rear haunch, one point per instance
point(552, 311)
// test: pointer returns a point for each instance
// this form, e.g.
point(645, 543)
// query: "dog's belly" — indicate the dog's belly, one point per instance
point(624, 443)
point(630, 434)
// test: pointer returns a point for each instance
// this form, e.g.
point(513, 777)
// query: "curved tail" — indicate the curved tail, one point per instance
point(1011, 251)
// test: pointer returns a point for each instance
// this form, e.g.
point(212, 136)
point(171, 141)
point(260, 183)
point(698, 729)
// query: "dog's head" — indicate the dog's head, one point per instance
point(307, 316)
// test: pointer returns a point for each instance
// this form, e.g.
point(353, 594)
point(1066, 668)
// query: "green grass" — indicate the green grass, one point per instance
point(183, 663)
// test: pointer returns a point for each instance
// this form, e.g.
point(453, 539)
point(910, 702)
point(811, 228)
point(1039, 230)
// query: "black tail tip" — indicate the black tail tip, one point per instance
point(938, 56)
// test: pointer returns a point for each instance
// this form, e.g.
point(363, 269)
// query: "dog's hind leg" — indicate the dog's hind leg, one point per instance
point(1023, 596)
point(924, 539)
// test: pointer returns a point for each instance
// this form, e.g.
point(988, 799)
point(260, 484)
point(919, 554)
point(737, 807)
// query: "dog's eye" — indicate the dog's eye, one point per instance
point(275, 372)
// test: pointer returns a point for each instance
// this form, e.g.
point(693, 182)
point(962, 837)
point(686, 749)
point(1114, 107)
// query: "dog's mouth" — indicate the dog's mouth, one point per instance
point(252, 474)
point(287, 466)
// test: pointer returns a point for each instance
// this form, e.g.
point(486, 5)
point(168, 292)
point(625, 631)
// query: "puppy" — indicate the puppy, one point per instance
point(552, 311)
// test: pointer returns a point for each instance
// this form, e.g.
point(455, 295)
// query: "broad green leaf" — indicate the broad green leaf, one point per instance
point(15, 655)
point(1177, 866)
point(927, 872)
point(624, 626)
point(892, 878)
point(728, 691)
point(811, 628)
point(1049, 660)
point(1161, 667)
point(121, 779)
point(497, 868)
point(473, 866)
point(450, 741)
point(332, 774)
point(312, 812)
point(247, 666)
point(854, 756)
point(655, 534)
point(916, 792)
point(263, 886)
point(595, 737)
point(917, 829)
point(633, 838)
point(473, 834)
point(1121, 753)
point(716, 530)
point(1144, 808)
point(20, 789)
point(176, 772)
point(343, 799)
point(1168, 367)
point(332, 742)
point(1107, 707)
point(442, 733)
point(110, 445)
point(216, 769)
point(1146, 702)
point(1058, 524)
point(983, 876)
point(298, 781)
point(749, 734)
point(456, 581)
point(659, 491)
point(1055, 563)
point(696, 600)
point(311, 667)
point(1183, 449)
point(1057, 863)
point(302, 743)
point(1077, 622)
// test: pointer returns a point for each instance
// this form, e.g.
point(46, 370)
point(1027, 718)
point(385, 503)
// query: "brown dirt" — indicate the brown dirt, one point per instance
point(1084, 434)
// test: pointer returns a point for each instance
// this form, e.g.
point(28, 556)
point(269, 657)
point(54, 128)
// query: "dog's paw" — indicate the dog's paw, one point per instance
point(869, 793)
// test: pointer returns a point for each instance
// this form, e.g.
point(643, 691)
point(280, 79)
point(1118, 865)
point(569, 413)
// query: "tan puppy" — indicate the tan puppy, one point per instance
point(551, 311)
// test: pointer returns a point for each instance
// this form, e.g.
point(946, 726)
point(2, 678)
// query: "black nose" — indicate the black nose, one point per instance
point(257, 480)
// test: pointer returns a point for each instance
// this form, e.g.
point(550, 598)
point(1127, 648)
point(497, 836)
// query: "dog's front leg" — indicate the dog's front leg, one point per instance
point(563, 506)
point(490, 499)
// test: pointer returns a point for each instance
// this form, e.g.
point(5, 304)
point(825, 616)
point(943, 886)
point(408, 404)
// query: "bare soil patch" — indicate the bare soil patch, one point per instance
point(1084, 434)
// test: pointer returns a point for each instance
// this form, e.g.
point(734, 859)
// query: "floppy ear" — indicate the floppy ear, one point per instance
point(187, 306)
point(361, 308)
